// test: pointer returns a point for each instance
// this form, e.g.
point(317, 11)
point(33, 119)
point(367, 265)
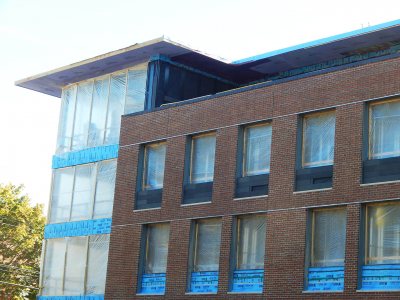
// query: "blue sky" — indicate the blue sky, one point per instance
point(40, 35)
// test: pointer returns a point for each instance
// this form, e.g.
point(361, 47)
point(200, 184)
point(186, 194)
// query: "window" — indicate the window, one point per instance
point(73, 195)
point(384, 129)
point(248, 272)
point(328, 240)
point(154, 259)
point(257, 149)
point(383, 234)
point(382, 247)
point(318, 139)
point(75, 265)
point(154, 164)
point(202, 158)
point(91, 110)
point(204, 257)
point(328, 237)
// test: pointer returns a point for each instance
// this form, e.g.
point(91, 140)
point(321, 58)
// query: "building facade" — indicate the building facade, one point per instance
point(276, 176)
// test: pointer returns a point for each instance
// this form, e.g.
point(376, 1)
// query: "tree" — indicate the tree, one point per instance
point(21, 236)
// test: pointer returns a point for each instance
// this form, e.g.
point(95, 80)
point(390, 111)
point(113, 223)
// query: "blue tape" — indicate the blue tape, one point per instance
point(381, 277)
point(325, 279)
point(204, 282)
point(83, 297)
point(79, 228)
point(153, 283)
point(248, 281)
point(84, 156)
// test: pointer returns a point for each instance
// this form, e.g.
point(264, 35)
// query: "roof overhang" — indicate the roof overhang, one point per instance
point(241, 71)
point(52, 82)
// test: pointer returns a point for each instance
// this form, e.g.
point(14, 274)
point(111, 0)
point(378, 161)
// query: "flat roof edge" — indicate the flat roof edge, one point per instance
point(90, 60)
point(320, 42)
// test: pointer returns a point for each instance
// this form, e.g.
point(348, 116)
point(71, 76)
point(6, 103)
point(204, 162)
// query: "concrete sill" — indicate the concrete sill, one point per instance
point(310, 191)
point(319, 292)
point(240, 293)
point(377, 291)
point(250, 198)
point(194, 294)
point(140, 294)
point(379, 183)
point(199, 203)
point(146, 209)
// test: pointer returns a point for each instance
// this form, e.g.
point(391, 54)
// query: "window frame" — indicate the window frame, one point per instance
point(190, 167)
point(304, 117)
point(367, 236)
point(369, 143)
point(144, 171)
point(244, 149)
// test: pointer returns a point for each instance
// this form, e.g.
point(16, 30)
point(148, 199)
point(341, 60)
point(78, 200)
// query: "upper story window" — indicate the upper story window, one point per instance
point(318, 139)
point(257, 149)
point(154, 164)
point(83, 192)
point(384, 129)
point(383, 234)
point(202, 158)
point(91, 110)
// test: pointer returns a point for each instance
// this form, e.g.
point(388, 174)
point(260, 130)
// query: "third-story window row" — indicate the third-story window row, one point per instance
point(316, 150)
point(83, 192)
point(91, 110)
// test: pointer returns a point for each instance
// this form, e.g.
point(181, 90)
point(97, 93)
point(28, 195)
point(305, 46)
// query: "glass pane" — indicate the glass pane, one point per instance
point(203, 155)
point(329, 238)
point(383, 230)
point(154, 166)
point(207, 247)
point(53, 271)
point(157, 248)
point(257, 150)
point(318, 139)
point(251, 242)
point(75, 266)
point(105, 184)
point(136, 90)
point(63, 181)
point(384, 133)
point(66, 120)
point(81, 203)
point(99, 112)
point(82, 115)
point(97, 264)
point(115, 108)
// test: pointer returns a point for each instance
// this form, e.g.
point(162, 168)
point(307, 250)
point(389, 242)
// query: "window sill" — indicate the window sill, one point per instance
point(310, 191)
point(233, 293)
point(249, 198)
point(205, 293)
point(140, 294)
point(146, 209)
point(380, 182)
point(377, 291)
point(198, 203)
point(319, 292)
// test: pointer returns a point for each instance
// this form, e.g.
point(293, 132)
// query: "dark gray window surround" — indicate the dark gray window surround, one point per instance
point(145, 199)
point(312, 178)
point(194, 192)
point(377, 170)
point(248, 186)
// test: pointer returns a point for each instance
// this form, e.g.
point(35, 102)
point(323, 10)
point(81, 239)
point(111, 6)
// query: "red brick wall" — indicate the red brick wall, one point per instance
point(286, 210)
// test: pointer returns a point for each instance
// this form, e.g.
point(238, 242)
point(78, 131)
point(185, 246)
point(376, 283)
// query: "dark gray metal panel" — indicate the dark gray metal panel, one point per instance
point(250, 186)
point(380, 170)
point(314, 178)
point(196, 193)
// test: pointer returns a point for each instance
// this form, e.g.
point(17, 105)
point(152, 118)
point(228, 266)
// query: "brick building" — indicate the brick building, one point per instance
point(276, 176)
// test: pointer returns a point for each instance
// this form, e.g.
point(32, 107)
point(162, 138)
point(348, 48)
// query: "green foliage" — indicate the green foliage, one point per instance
point(21, 235)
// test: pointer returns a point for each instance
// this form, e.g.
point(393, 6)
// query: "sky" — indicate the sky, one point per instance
point(41, 35)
